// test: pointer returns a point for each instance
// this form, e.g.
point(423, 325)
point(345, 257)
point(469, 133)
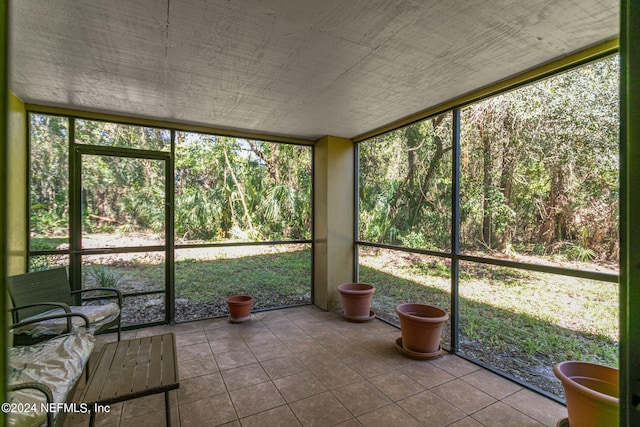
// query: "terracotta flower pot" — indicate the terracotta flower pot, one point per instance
point(239, 308)
point(356, 301)
point(591, 391)
point(421, 327)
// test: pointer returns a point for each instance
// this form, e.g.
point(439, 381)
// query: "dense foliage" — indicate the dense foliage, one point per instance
point(228, 188)
point(49, 180)
point(225, 188)
point(405, 186)
point(538, 173)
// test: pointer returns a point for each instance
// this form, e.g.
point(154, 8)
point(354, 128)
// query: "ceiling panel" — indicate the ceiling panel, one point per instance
point(286, 67)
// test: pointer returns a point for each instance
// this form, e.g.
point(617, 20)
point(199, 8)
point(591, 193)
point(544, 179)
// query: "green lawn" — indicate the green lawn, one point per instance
point(274, 279)
point(275, 276)
point(518, 321)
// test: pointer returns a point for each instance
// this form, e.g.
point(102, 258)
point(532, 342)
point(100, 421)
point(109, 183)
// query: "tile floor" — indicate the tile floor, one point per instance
point(306, 367)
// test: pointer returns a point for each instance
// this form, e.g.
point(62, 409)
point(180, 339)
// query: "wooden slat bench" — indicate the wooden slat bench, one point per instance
point(134, 368)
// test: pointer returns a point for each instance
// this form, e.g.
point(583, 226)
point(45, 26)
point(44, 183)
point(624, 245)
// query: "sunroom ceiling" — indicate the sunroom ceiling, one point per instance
point(286, 67)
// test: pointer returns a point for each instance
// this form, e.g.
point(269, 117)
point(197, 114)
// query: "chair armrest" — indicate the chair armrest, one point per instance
point(118, 293)
point(61, 305)
point(41, 388)
point(54, 316)
point(38, 386)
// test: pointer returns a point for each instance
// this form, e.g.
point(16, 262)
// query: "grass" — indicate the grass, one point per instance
point(103, 277)
point(274, 279)
point(542, 313)
point(205, 277)
point(48, 243)
point(518, 321)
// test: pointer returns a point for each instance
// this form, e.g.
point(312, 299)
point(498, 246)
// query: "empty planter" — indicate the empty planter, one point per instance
point(239, 308)
point(421, 327)
point(356, 301)
point(591, 391)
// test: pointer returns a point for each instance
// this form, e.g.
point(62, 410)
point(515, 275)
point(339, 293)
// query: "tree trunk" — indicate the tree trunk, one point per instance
point(405, 196)
point(487, 226)
point(509, 161)
point(238, 185)
point(433, 164)
point(555, 225)
point(414, 141)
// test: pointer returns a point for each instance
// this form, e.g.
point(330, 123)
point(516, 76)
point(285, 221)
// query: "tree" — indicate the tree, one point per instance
point(49, 183)
point(538, 172)
point(225, 188)
point(538, 146)
point(404, 196)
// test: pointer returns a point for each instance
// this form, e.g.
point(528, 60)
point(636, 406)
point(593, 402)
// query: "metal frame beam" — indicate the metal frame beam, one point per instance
point(572, 61)
point(4, 95)
point(629, 224)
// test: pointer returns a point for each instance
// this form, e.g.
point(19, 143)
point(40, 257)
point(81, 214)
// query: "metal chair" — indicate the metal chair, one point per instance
point(48, 292)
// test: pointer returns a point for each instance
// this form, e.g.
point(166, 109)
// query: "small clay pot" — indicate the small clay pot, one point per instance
point(239, 308)
point(356, 301)
point(421, 327)
point(591, 391)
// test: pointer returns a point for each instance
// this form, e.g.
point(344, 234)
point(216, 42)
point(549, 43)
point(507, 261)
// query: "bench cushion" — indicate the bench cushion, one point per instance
point(57, 363)
point(98, 315)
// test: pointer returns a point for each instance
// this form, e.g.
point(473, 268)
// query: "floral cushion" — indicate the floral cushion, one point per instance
point(57, 363)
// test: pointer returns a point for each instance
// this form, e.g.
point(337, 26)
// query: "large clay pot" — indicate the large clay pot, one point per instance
point(421, 327)
point(356, 301)
point(239, 308)
point(591, 391)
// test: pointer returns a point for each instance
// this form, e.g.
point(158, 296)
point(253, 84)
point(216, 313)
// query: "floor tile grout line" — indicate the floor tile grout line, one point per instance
point(310, 329)
point(392, 401)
